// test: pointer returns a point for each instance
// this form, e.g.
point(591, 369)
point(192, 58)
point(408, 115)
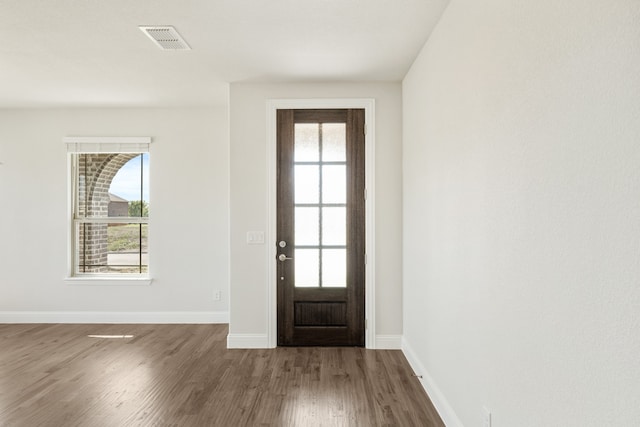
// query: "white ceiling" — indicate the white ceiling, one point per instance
point(76, 53)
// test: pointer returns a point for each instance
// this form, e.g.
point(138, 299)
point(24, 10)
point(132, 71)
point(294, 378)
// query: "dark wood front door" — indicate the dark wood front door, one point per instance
point(321, 228)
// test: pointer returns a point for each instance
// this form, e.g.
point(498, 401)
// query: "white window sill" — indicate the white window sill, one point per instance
point(108, 281)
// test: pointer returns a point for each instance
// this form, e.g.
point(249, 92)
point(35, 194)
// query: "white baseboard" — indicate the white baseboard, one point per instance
point(247, 341)
point(114, 317)
point(388, 342)
point(438, 399)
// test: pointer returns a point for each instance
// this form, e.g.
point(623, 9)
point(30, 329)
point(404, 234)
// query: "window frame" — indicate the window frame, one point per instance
point(97, 145)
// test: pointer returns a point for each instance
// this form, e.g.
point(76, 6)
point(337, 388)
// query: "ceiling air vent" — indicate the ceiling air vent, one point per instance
point(166, 37)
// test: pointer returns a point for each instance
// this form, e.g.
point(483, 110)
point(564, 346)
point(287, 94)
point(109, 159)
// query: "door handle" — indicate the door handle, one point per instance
point(283, 257)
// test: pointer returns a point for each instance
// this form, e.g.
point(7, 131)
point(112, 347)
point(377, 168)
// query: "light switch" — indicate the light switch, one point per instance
point(255, 237)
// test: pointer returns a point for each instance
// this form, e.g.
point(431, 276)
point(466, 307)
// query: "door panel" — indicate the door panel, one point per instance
point(321, 227)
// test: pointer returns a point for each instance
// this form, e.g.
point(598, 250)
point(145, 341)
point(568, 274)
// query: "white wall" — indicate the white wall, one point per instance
point(189, 243)
point(522, 212)
point(249, 202)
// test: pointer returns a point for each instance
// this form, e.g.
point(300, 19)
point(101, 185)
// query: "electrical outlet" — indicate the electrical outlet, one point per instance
point(486, 417)
point(217, 295)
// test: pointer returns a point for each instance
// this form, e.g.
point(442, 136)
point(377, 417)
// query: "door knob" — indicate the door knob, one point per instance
point(283, 257)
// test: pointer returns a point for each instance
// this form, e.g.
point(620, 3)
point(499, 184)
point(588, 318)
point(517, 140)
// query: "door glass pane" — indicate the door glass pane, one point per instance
point(334, 184)
point(307, 184)
point(307, 222)
point(306, 137)
point(334, 268)
point(334, 226)
point(334, 142)
point(307, 267)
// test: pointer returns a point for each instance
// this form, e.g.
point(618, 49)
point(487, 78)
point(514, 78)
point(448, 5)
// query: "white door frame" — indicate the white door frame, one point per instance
point(368, 105)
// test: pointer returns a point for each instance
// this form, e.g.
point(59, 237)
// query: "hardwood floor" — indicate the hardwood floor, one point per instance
point(183, 375)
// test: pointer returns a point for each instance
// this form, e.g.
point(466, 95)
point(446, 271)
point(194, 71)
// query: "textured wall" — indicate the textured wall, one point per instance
point(522, 211)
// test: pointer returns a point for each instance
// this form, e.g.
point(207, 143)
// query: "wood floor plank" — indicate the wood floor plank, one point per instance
point(183, 375)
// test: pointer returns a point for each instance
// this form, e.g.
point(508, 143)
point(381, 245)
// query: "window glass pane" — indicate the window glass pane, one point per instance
point(307, 184)
point(334, 142)
point(334, 268)
point(334, 226)
point(145, 178)
point(112, 184)
point(131, 184)
point(307, 267)
point(91, 248)
point(112, 248)
point(80, 195)
point(307, 222)
point(92, 184)
point(306, 146)
point(334, 184)
point(127, 248)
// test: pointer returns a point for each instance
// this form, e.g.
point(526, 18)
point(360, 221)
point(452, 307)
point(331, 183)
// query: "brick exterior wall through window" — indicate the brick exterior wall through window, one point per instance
point(95, 173)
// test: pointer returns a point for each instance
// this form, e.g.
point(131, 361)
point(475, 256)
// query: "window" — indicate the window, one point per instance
point(110, 207)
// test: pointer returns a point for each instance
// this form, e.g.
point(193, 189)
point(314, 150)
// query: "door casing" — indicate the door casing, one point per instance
point(368, 105)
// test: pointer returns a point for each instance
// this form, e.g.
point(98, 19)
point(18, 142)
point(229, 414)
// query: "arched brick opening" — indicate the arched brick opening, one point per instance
point(95, 172)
